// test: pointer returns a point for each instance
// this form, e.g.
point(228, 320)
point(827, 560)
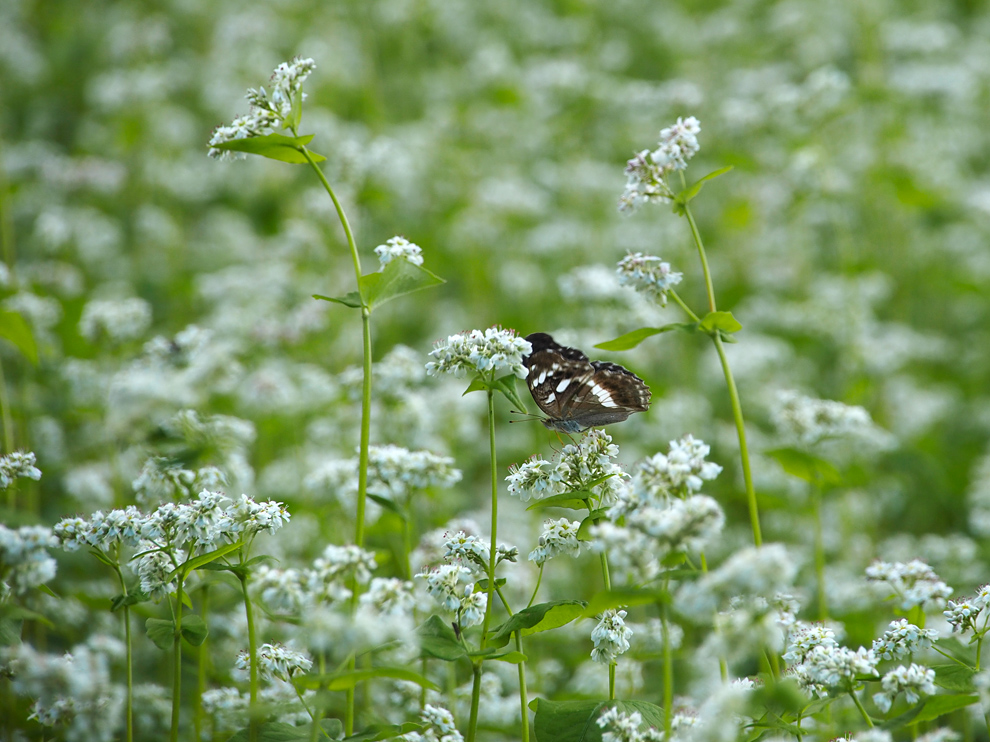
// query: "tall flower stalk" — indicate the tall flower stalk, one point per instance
point(648, 176)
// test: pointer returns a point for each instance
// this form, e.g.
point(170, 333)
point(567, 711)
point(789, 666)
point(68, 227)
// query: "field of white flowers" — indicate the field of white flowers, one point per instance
point(244, 493)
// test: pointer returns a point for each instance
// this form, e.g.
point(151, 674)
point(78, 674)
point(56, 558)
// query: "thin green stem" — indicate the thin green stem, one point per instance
point(859, 705)
point(177, 662)
point(737, 414)
point(201, 661)
point(668, 663)
point(475, 701)
point(680, 302)
point(130, 657)
point(253, 656)
point(816, 504)
point(523, 695)
point(704, 258)
point(539, 579)
point(8, 420)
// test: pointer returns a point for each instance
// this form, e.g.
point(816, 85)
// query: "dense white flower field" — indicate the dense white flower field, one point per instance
point(270, 465)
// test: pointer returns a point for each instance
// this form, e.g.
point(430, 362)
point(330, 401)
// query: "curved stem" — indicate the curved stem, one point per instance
point(539, 579)
point(680, 302)
point(704, 258)
point(737, 414)
point(859, 705)
point(494, 529)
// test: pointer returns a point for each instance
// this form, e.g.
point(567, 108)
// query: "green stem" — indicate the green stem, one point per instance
point(365, 402)
point(704, 258)
point(130, 657)
point(177, 662)
point(668, 663)
point(202, 658)
point(539, 579)
point(816, 504)
point(680, 302)
point(475, 701)
point(859, 705)
point(737, 414)
point(253, 656)
point(523, 695)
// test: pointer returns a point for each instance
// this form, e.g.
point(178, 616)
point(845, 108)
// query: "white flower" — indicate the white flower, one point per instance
point(914, 583)
point(399, 248)
point(682, 525)
point(835, 668)
point(117, 320)
point(808, 420)
point(558, 537)
point(452, 586)
point(646, 173)
point(915, 681)
point(488, 351)
point(17, 464)
point(649, 275)
point(902, 639)
point(275, 661)
point(630, 553)
point(24, 559)
point(611, 637)
point(534, 478)
point(439, 727)
point(682, 471)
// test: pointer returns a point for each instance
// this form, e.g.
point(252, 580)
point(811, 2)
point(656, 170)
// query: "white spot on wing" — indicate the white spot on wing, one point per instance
point(550, 398)
point(563, 385)
point(603, 394)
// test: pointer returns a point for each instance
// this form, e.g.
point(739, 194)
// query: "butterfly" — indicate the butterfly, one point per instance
point(577, 394)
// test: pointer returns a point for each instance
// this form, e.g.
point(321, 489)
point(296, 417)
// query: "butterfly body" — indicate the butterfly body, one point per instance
point(577, 393)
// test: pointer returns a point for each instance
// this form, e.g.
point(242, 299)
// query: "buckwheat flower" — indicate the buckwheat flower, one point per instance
point(807, 638)
point(914, 583)
point(648, 275)
point(289, 591)
point(341, 563)
point(452, 586)
point(873, 735)
point(389, 596)
point(915, 682)
point(758, 571)
point(162, 480)
point(588, 465)
point(439, 727)
point(269, 108)
point(24, 561)
point(940, 735)
point(249, 517)
point(468, 551)
point(630, 553)
point(396, 470)
point(611, 637)
point(683, 525)
point(204, 521)
point(646, 173)
point(17, 464)
point(117, 320)
point(154, 568)
point(903, 638)
point(535, 478)
point(680, 472)
point(275, 661)
point(808, 420)
point(961, 615)
point(399, 248)
point(624, 726)
point(836, 668)
point(558, 537)
point(489, 352)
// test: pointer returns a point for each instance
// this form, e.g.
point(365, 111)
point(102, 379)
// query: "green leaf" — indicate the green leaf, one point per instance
point(197, 562)
point(478, 384)
point(119, 601)
point(161, 631)
point(607, 599)
point(954, 677)
point(507, 385)
point(18, 333)
point(804, 466)
point(337, 681)
point(682, 198)
point(574, 721)
point(10, 631)
point(937, 706)
point(723, 321)
point(295, 116)
point(634, 338)
point(513, 658)
point(274, 147)
point(538, 618)
point(101, 557)
point(396, 279)
point(352, 299)
point(387, 504)
point(194, 630)
point(589, 521)
point(437, 639)
point(383, 731)
point(571, 500)
point(279, 731)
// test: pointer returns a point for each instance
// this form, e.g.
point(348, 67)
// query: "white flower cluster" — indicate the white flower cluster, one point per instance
point(117, 320)
point(962, 614)
point(439, 727)
point(399, 470)
point(807, 420)
point(452, 586)
point(680, 472)
point(18, 464)
point(24, 561)
point(275, 661)
point(268, 109)
point(902, 639)
point(611, 637)
point(915, 682)
point(584, 466)
point(648, 275)
point(620, 726)
point(295, 591)
point(834, 669)
point(914, 583)
point(646, 173)
point(558, 537)
point(480, 351)
point(399, 248)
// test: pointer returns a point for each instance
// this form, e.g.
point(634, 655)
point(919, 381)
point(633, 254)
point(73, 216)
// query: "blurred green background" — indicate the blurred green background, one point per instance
point(850, 239)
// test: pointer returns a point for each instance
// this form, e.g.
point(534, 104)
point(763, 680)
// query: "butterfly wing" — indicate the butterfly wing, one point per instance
point(555, 373)
point(609, 395)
